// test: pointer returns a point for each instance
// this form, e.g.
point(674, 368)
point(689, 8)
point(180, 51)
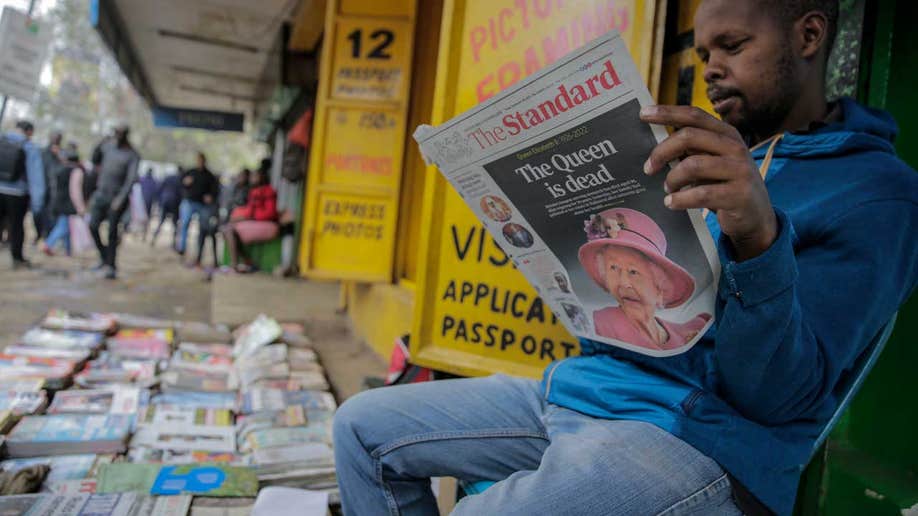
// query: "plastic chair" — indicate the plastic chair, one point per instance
point(853, 383)
point(851, 386)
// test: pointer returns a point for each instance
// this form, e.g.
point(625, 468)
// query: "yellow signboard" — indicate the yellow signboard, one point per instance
point(683, 72)
point(475, 313)
point(371, 60)
point(359, 146)
point(352, 231)
point(358, 140)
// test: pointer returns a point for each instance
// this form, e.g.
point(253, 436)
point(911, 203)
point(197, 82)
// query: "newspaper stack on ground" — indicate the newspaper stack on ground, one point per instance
point(553, 167)
point(211, 423)
point(85, 504)
point(68, 433)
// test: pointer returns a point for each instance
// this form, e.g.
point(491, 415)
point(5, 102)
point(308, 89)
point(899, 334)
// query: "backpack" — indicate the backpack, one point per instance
point(401, 370)
point(12, 161)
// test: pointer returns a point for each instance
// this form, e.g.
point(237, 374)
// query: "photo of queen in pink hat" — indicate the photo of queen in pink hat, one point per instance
point(626, 256)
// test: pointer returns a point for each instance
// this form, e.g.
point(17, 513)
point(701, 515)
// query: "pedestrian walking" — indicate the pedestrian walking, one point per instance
point(117, 162)
point(148, 187)
point(200, 190)
point(168, 197)
point(50, 158)
point(66, 200)
point(22, 185)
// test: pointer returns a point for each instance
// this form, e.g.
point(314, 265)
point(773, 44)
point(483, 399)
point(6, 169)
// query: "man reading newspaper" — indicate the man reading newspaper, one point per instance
point(815, 221)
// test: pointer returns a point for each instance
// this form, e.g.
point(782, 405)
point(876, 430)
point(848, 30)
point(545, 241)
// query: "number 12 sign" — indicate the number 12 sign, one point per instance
point(371, 58)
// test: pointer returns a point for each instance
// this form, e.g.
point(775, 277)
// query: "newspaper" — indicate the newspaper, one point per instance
point(553, 168)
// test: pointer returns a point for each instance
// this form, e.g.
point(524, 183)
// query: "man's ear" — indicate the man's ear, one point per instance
point(812, 33)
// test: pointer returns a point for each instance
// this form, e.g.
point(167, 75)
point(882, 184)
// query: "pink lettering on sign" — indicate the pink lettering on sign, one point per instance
point(381, 165)
point(548, 44)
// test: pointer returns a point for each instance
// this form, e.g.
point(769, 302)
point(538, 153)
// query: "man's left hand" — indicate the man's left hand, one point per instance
point(116, 205)
point(717, 172)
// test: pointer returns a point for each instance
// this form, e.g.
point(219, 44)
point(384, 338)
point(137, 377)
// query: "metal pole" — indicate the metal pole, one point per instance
point(5, 98)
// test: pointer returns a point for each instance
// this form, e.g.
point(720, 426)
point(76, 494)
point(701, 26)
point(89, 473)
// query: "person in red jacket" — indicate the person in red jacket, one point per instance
point(256, 221)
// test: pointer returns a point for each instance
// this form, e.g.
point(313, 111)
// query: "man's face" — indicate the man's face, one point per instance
point(629, 278)
point(750, 66)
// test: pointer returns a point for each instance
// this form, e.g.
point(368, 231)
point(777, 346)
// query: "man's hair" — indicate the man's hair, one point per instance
point(25, 126)
point(789, 11)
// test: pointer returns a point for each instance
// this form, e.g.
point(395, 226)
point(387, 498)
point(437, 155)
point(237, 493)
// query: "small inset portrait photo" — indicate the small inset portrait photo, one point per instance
point(576, 316)
point(561, 281)
point(496, 208)
point(517, 235)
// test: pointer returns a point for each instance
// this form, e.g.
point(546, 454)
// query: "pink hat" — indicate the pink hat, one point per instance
point(624, 227)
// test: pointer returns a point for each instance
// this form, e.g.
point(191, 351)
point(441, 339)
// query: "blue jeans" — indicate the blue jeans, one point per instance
point(547, 459)
point(60, 231)
point(187, 210)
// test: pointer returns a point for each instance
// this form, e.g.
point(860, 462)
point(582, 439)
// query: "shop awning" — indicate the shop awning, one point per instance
point(216, 55)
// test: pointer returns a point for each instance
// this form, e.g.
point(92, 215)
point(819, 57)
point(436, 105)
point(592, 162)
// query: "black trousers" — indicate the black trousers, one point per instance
point(101, 211)
point(13, 210)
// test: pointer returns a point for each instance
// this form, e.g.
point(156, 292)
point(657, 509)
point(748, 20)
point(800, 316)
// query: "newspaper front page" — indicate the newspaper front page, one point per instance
point(553, 167)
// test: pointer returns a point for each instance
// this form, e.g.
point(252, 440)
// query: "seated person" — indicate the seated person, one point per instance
point(818, 251)
point(256, 221)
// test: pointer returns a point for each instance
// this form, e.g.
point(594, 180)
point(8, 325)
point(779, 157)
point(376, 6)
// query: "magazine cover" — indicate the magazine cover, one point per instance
point(553, 167)
point(166, 414)
point(154, 455)
point(181, 437)
point(21, 403)
point(62, 339)
point(57, 319)
point(320, 432)
point(197, 479)
point(258, 399)
point(216, 400)
point(71, 428)
point(120, 400)
point(141, 344)
point(73, 355)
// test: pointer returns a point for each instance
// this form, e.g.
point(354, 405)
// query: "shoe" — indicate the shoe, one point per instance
point(46, 250)
point(110, 273)
point(21, 264)
point(99, 267)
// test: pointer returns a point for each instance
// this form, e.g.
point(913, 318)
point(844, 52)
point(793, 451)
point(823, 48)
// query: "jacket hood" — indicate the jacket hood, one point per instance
point(858, 129)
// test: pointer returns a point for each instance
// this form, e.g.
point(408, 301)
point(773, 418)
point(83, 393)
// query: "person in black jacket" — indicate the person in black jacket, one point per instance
point(66, 199)
point(50, 159)
point(168, 197)
point(117, 164)
point(200, 190)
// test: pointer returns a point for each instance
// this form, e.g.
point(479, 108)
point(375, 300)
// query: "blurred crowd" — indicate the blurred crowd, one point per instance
point(77, 205)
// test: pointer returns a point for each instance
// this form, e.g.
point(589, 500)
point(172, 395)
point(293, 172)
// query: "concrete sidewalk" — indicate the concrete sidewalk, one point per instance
point(153, 282)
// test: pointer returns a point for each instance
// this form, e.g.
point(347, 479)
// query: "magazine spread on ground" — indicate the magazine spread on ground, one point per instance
point(553, 167)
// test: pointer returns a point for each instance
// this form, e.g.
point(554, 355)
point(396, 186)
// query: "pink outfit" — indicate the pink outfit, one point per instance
point(614, 324)
point(624, 227)
point(255, 230)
